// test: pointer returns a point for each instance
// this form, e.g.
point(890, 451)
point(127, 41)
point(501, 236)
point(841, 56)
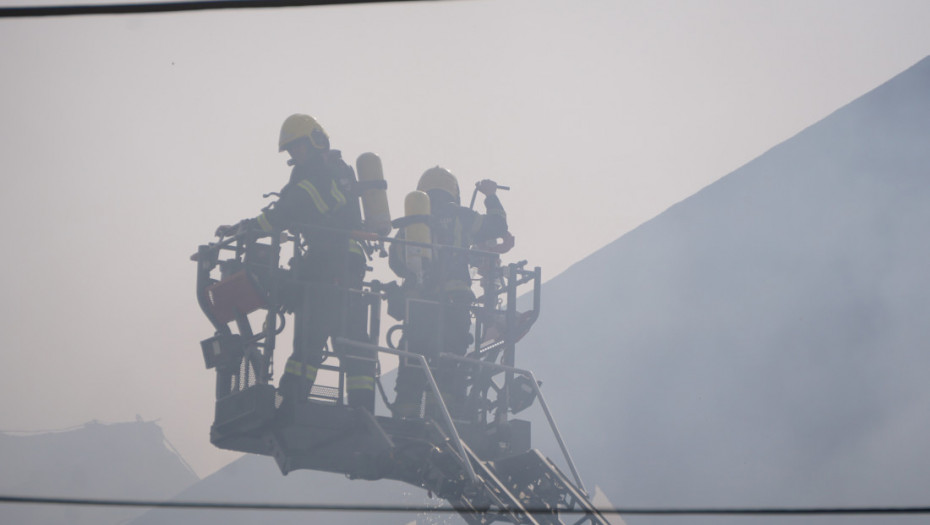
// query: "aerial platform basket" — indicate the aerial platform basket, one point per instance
point(481, 462)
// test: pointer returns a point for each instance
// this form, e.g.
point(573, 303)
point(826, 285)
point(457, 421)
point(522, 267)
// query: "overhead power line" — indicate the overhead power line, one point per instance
point(165, 7)
point(202, 505)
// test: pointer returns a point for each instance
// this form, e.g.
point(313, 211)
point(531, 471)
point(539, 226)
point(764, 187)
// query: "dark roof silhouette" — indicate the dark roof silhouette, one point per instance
point(100, 461)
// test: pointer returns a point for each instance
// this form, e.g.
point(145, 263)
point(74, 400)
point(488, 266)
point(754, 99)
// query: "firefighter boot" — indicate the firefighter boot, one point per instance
point(294, 390)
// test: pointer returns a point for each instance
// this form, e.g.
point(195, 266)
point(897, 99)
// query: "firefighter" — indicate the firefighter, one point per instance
point(320, 205)
point(445, 280)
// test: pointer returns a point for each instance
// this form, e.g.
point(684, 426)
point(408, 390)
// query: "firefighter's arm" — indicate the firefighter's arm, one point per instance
point(295, 206)
point(493, 224)
point(397, 258)
point(495, 218)
point(487, 186)
point(225, 230)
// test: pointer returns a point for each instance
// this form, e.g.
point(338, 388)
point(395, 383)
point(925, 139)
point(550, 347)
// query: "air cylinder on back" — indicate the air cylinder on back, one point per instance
point(374, 194)
point(416, 205)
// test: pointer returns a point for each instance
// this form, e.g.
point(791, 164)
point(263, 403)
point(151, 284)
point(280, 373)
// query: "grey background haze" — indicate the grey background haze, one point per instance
point(127, 139)
point(762, 342)
point(759, 344)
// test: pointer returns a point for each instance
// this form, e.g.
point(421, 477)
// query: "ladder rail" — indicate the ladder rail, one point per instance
point(542, 402)
point(447, 418)
point(546, 490)
point(578, 498)
point(516, 512)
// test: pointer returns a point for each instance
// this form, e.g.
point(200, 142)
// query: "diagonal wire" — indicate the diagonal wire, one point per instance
point(203, 505)
point(165, 7)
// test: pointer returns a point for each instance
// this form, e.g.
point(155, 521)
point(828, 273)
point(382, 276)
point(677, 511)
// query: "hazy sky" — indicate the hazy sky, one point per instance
point(127, 139)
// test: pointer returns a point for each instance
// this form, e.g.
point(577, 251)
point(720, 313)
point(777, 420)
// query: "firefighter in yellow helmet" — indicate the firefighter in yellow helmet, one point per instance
point(446, 280)
point(319, 203)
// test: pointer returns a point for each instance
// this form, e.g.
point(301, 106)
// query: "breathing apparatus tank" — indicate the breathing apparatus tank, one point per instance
point(374, 194)
point(417, 208)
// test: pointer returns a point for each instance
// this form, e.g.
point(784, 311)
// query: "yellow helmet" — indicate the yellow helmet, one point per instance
point(439, 178)
point(298, 126)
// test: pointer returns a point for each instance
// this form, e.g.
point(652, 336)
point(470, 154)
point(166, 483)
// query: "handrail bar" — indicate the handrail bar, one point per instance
point(225, 242)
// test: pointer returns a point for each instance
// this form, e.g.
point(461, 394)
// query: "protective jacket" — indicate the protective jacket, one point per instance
point(454, 226)
point(320, 204)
